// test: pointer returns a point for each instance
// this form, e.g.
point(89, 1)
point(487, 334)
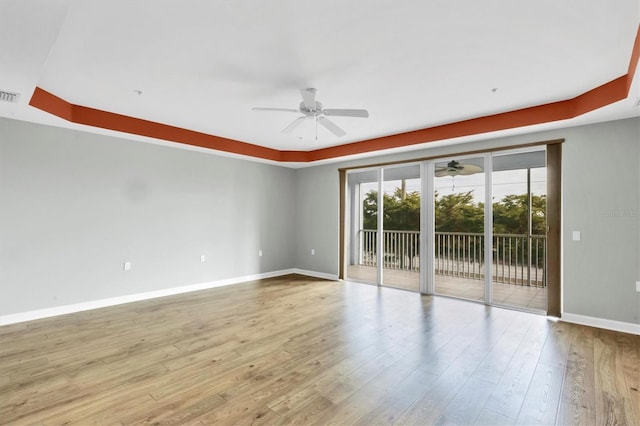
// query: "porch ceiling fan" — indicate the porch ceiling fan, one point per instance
point(314, 110)
point(455, 168)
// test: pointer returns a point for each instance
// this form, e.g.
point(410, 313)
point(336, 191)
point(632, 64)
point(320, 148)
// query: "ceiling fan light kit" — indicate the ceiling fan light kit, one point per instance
point(313, 109)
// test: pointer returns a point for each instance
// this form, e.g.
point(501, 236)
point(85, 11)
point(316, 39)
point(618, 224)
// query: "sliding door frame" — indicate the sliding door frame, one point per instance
point(427, 228)
point(380, 228)
point(488, 228)
point(344, 222)
point(427, 218)
point(554, 229)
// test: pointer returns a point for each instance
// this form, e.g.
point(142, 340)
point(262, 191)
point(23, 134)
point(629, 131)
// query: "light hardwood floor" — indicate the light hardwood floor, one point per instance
point(295, 350)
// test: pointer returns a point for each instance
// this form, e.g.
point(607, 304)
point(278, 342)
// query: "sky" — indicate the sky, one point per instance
point(504, 183)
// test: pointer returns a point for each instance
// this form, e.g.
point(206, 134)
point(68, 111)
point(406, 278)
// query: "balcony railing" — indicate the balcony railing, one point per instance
point(517, 259)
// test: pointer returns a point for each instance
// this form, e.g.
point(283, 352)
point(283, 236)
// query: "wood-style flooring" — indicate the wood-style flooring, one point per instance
point(296, 350)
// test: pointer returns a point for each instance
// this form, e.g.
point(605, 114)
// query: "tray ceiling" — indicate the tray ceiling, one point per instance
point(189, 72)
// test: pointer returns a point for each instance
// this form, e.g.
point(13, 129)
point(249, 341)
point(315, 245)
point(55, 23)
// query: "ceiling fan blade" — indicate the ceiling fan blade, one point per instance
point(441, 173)
point(363, 113)
point(331, 126)
point(293, 125)
point(275, 109)
point(309, 97)
point(469, 169)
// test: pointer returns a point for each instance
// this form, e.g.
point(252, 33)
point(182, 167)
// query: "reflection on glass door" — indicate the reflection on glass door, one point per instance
point(459, 194)
point(519, 230)
point(401, 227)
point(362, 219)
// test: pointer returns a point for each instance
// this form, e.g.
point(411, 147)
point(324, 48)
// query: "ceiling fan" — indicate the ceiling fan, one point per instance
point(455, 168)
point(312, 109)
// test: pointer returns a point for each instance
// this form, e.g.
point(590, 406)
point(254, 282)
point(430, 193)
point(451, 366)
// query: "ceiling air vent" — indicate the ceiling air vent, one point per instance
point(9, 96)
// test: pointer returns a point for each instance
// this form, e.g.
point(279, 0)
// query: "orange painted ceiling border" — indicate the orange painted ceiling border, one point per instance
point(606, 94)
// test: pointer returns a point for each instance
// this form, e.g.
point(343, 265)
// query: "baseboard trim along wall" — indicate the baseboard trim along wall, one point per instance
point(119, 300)
point(625, 327)
point(314, 274)
point(607, 324)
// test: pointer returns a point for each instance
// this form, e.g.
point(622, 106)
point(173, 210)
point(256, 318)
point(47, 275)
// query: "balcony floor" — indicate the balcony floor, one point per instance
point(533, 298)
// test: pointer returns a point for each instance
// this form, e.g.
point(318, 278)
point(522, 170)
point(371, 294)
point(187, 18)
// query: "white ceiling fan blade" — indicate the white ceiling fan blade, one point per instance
point(275, 109)
point(293, 125)
point(309, 97)
point(331, 126)
point(469, 169)
point(441, 173)
point(363, 113)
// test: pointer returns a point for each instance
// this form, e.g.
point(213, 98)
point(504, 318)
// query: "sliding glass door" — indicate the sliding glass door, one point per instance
point(458, 202)
point(362, 226)
point(471, 227)
point(401, 227)
point(519, 230)
point(383, 244)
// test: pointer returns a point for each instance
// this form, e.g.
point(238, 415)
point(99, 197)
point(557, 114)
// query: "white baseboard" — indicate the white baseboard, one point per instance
point(607, 324)
point(314, 274)
point(119, 300)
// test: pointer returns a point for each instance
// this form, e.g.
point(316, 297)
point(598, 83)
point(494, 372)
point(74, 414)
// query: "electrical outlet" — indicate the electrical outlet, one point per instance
point(260, 253)
point(638, 286)
point(126, 266)
point(313, 252)
point(203, 258)
point(576, 236)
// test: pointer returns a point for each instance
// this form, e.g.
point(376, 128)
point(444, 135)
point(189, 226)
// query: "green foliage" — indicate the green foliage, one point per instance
point(456, 213)
point(401, 211)
point(510, 216)
point(370, 210)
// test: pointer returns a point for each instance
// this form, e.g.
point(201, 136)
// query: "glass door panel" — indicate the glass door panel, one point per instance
point(362, 219)
point(459, 194)
point(401, 227)
point(519, 230)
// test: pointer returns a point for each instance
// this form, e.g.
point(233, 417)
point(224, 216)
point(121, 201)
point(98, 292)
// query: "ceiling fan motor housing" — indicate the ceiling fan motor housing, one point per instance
point(315, 111)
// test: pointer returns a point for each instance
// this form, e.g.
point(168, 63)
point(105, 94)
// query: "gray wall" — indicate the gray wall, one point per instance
point(317, 219)
point(600, 172)
point(600, 198)
point(75, 206)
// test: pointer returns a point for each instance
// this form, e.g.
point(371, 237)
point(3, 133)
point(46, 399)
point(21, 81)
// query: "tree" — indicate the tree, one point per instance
point(401, 213)
point(401, 210)
point(511, 215)
point(458, 213)
point(370, 210)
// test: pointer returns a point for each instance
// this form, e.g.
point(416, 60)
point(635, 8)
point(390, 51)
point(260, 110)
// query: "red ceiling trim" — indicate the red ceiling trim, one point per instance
point(108, 120)
point(606, 94)
point(136, 126)
point(52, 104)
point(633, 62)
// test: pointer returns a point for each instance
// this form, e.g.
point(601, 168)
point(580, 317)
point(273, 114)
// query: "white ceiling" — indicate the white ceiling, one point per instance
point(202, 65)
